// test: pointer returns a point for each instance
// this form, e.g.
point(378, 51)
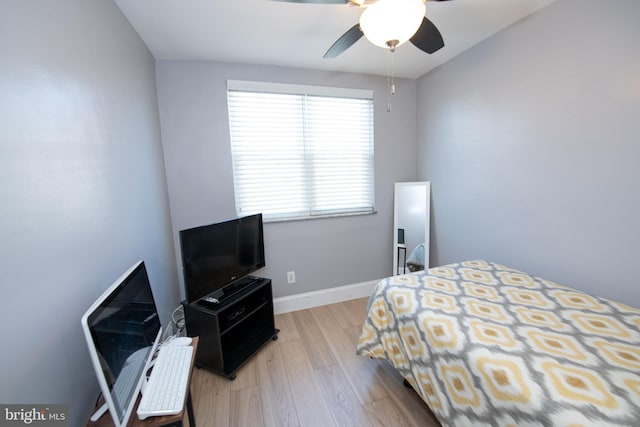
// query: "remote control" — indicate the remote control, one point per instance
point(212, 300)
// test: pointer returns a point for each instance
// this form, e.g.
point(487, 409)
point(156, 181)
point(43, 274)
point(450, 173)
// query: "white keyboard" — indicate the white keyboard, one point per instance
point(165, 392)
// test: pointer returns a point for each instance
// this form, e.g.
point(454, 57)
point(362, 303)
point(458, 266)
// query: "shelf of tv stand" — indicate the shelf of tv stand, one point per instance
point(233, 330)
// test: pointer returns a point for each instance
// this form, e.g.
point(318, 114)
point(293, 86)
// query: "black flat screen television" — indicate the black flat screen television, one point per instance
point(216, 257)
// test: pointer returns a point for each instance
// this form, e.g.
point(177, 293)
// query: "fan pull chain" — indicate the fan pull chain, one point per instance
point(390, 82)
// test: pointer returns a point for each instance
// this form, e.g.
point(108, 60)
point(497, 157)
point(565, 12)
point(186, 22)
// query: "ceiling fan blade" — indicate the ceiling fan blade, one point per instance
point(316, 1)
point(428, 37)
point(344, 42)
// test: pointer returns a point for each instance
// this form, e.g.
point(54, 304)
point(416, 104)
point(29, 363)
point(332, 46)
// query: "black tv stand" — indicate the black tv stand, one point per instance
point(234, 329)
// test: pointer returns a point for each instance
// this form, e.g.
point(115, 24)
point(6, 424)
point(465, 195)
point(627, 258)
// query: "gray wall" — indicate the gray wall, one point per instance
point(323, 252)
point(82, 186)
point(530, 141)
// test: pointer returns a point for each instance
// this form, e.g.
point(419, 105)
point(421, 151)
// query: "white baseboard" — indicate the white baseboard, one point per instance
point(323, 297)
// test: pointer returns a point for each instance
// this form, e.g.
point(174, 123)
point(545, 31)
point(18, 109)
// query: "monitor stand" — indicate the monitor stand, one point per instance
point(100, 412)
point(104, 408)
point(228, 291)
point(236, 287)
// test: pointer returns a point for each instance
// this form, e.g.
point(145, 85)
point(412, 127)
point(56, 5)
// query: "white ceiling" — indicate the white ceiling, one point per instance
point(298, 35)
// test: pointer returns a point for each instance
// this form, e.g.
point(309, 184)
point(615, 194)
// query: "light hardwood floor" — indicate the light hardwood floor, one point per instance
point(311, 376)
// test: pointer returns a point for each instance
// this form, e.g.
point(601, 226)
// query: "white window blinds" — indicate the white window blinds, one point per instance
point(301, 151)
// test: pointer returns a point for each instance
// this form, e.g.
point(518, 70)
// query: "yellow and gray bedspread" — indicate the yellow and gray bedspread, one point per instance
point(487, 345)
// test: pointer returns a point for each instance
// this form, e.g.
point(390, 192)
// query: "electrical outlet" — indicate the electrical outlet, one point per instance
point(291, 277)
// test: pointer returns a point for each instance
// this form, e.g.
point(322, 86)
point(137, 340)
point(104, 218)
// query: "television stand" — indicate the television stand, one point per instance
point(234, 329)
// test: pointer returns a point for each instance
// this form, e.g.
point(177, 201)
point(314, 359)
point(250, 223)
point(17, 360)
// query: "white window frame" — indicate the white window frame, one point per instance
point(361, 155)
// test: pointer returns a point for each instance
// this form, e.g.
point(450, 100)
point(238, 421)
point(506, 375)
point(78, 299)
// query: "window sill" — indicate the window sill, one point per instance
point(304, 218)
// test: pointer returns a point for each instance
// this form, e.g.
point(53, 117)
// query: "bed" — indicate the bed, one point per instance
point(486, 345)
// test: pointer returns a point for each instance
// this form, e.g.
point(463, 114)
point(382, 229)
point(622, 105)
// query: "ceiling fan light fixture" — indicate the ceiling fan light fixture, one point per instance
point(390, 23)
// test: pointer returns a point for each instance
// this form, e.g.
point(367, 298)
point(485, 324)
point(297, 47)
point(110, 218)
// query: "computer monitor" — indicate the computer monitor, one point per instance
point(122, 329)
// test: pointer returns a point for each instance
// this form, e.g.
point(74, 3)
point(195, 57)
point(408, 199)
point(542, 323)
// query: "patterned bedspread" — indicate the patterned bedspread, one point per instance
point(487, 345)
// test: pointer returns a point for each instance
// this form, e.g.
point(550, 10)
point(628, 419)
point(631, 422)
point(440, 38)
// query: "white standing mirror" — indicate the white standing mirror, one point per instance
point(411, 227)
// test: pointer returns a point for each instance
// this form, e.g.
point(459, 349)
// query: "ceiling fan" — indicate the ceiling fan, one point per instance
point(388, 24)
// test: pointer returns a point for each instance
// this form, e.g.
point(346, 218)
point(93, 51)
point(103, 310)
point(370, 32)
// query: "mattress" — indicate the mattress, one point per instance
point(487, 345)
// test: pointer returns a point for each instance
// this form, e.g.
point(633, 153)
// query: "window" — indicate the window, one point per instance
point(301, 151)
